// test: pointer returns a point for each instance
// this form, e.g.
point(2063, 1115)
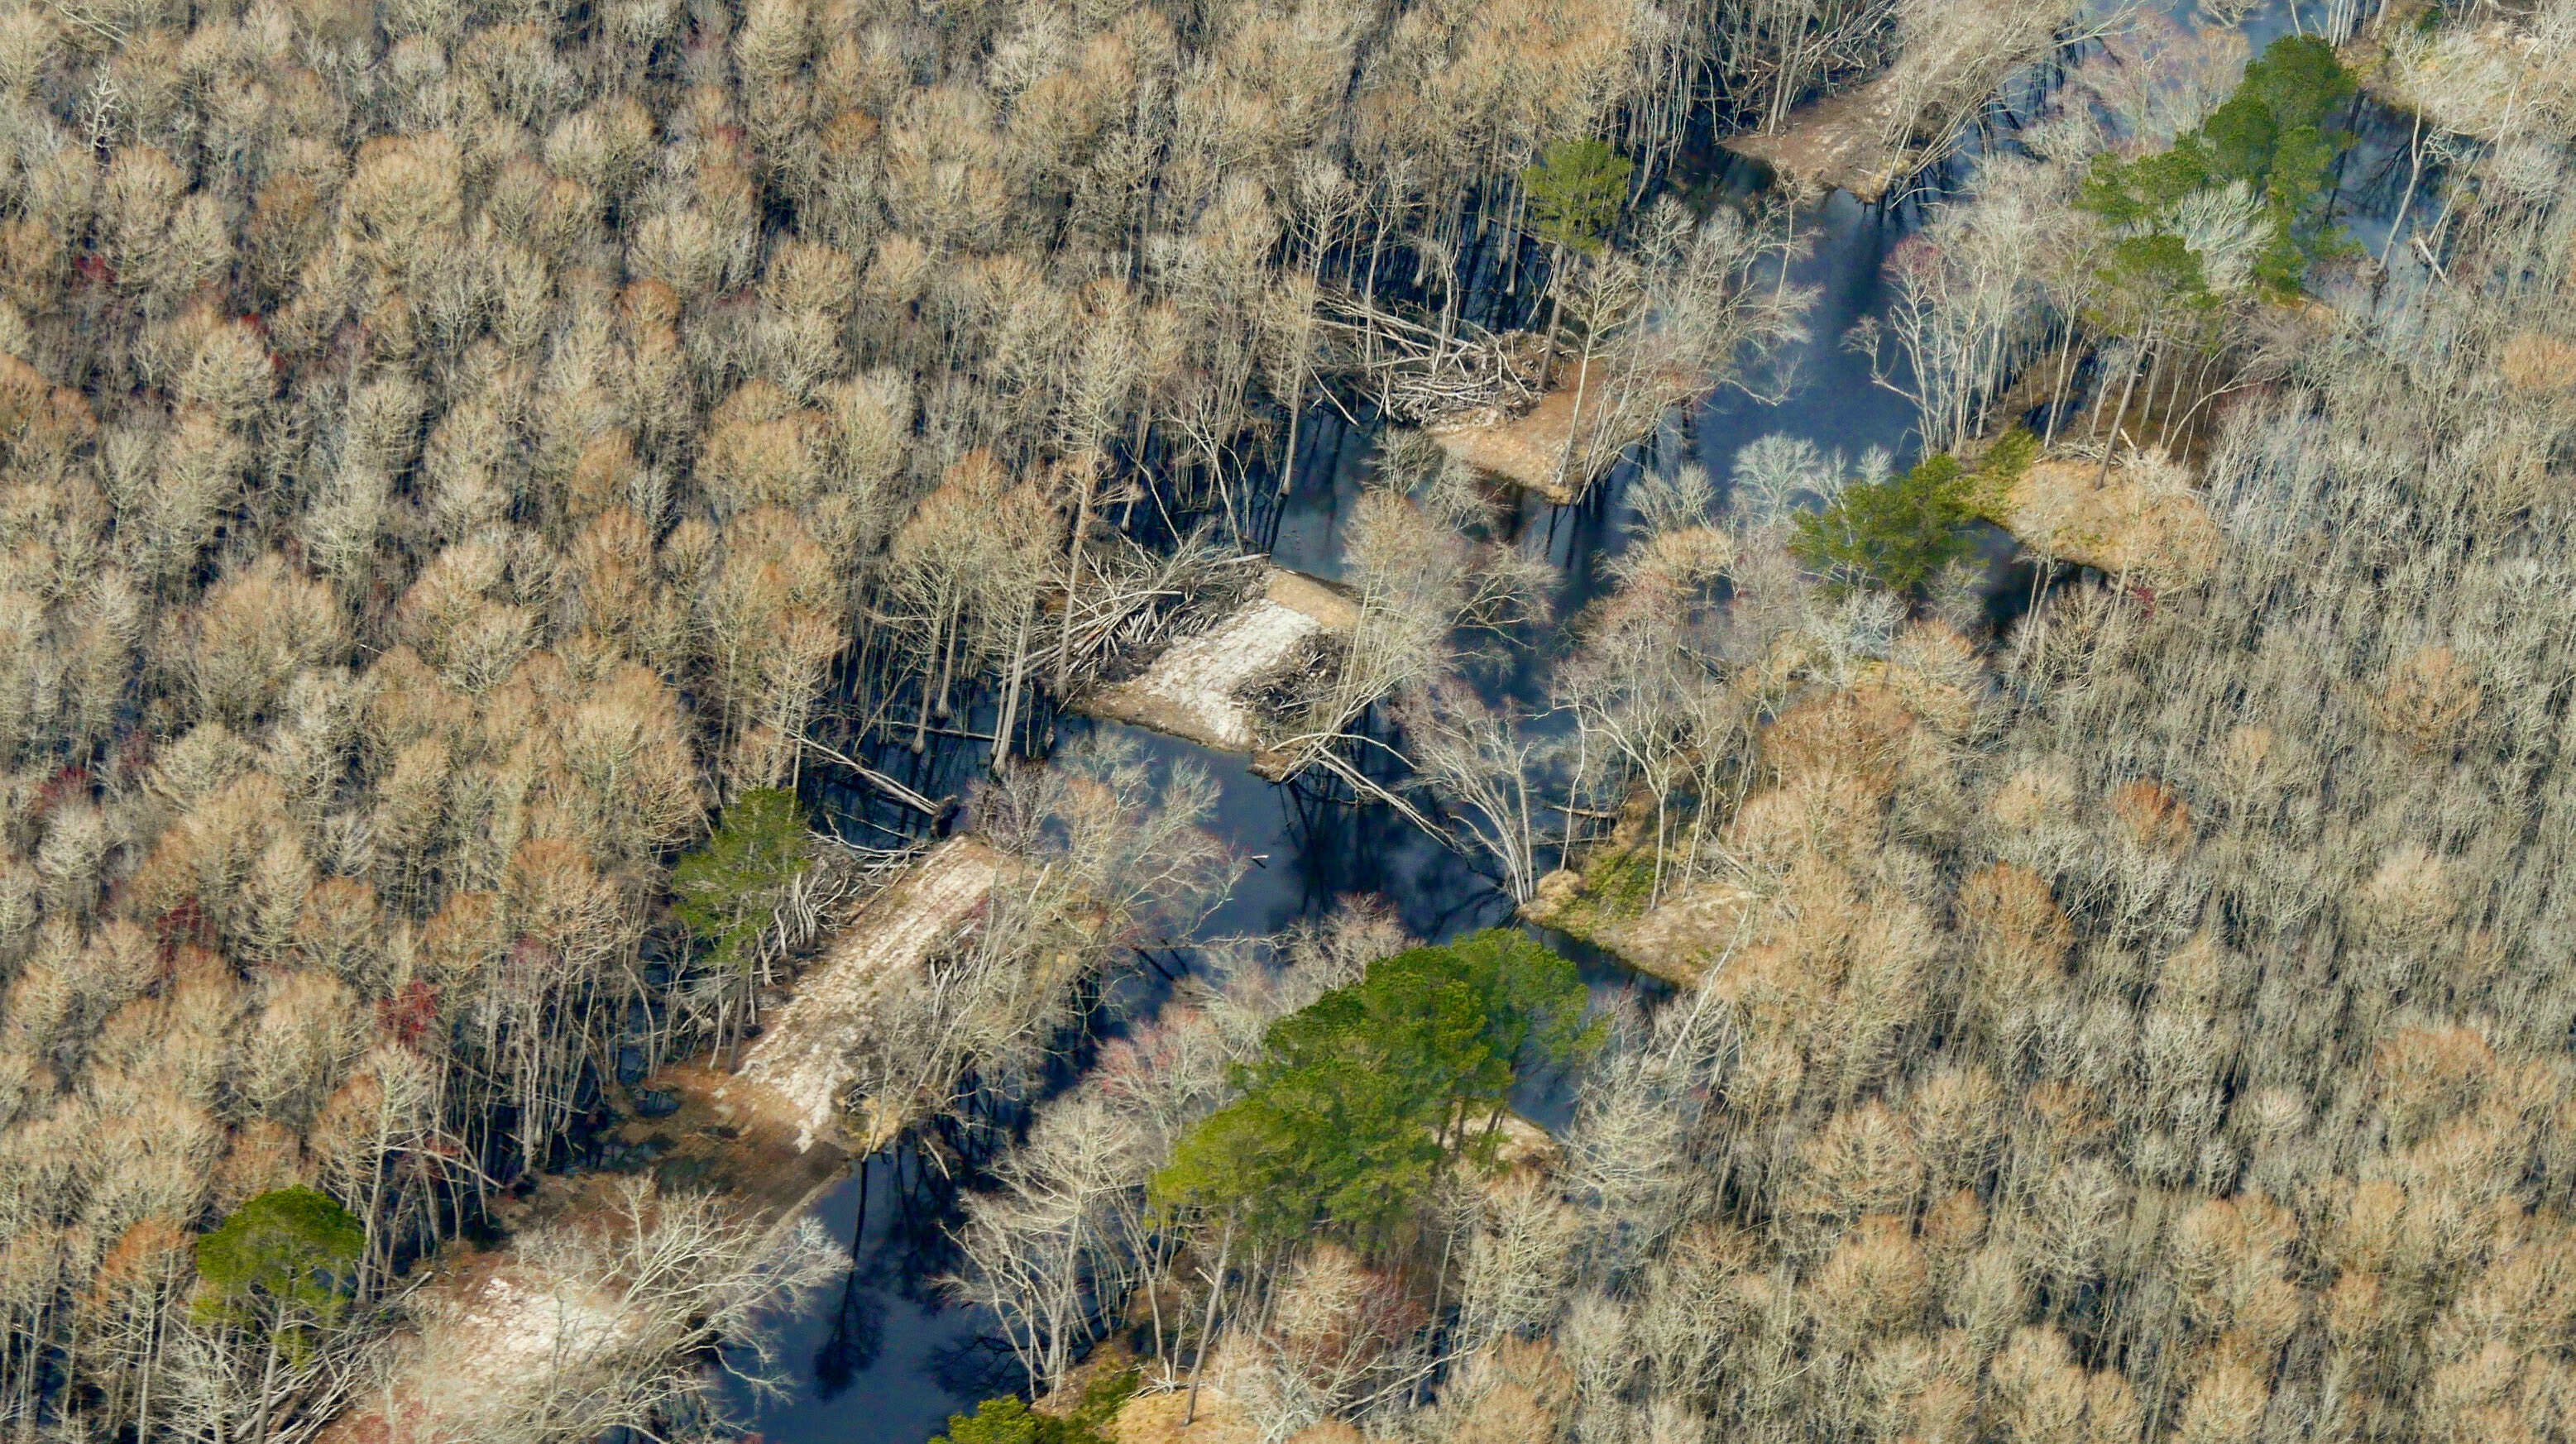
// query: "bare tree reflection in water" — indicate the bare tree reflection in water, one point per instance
point(857, 1337)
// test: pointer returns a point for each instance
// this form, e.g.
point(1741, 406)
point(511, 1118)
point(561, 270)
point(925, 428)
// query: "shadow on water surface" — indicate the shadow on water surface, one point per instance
point(1835, 403)
point(881, 1356)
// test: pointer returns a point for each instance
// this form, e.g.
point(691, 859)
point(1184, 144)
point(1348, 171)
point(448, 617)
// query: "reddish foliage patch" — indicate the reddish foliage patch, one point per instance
point(185, 925)
point(408, 1015)
point(70, 782)
point(130, 758)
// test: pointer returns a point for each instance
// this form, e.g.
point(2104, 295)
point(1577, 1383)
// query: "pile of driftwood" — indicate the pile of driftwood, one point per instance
point(1498, 401)
point(1227, 687)
point(1133, 603)
point(1458, 373)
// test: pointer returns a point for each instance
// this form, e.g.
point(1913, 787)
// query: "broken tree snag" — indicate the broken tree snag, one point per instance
point(795, 1079)
point(1555, 449)
point(1222, 687)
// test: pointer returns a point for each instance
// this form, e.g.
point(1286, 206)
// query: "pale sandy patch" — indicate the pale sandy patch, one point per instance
point(1206, 688)
point(798, 1071)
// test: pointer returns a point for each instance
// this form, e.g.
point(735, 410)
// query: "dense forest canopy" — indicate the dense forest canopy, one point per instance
point(512, 513)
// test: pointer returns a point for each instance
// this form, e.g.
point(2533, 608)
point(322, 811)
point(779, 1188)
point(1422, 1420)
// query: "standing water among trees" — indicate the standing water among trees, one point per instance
point(482, 484)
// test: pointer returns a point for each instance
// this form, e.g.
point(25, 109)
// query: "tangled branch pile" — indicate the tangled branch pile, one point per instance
point(1421, 375)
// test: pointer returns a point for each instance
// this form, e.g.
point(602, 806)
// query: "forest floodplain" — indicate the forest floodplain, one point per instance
point(552, 559)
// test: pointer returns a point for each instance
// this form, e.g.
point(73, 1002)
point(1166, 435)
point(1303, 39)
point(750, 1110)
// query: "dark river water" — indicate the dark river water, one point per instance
point(883, 1358)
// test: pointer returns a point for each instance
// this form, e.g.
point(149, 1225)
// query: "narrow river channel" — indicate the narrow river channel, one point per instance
point(884, 1358)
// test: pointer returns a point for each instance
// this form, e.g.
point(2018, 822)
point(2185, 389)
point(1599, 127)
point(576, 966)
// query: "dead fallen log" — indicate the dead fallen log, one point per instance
point(796, 1078)
point(1420, 374)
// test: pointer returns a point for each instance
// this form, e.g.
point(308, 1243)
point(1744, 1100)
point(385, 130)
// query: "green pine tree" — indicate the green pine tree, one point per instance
point(1575, 190)
point(1364, 1098)
point(1006, 1420)
point(284, 1260)
point(1896, 534)
point(725, 890)
point(2278, 132)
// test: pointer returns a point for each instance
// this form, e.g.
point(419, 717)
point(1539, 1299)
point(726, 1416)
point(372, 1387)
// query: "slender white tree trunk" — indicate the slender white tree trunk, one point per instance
point(1207, 1322)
